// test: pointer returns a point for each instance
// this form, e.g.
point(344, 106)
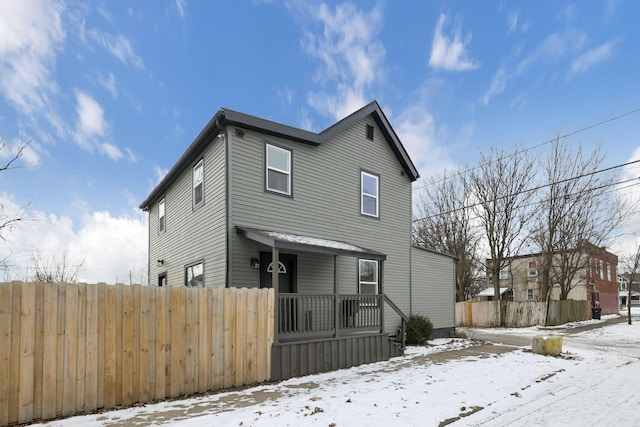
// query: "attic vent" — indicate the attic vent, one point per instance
point(370, 132)
point(239, 133)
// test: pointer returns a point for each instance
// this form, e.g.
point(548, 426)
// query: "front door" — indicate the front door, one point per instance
point(286, 272)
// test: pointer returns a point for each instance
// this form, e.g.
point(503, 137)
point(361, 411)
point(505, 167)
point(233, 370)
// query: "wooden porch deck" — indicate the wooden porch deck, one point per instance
point(325, 332)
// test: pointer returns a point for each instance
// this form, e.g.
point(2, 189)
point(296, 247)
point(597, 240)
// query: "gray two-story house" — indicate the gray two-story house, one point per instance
point(333, 209)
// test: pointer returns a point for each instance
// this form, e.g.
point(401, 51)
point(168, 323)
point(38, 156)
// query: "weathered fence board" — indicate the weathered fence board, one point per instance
point(68, 349)
point(519, 314)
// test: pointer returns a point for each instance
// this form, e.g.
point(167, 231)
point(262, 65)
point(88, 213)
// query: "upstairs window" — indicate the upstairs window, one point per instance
point(369, 194)
point(194, 275)
point(504, 273)
point(161, 216)
point(198, 184)
point(278, 170)
point(533, 272)
point(368, 277)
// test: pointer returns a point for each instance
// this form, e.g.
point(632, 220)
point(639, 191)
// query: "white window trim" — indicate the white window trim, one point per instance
point(195, 183)
point(377, 275)
point(533, 294)
point(186, 274)
point(268, 168)
point(162, 216)
point(504, 273)
point(374, 196)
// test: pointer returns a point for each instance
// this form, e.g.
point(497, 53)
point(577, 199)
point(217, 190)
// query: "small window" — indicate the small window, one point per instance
point(504, 273)
point(370, 132)
point(530, 294)
point(194, 275)
point(368, 277)
point(162, 279)
point(278, 170)
point(161, 216)
point(198, 183)
point(369, 199)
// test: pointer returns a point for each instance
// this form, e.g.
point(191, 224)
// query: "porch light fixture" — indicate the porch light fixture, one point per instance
point(255, 263)
point(160, 262)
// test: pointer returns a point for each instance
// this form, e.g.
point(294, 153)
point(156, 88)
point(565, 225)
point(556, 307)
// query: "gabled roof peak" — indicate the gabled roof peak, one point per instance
point(228, 117)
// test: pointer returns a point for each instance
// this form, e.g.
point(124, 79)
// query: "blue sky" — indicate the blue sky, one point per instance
point(111, 93)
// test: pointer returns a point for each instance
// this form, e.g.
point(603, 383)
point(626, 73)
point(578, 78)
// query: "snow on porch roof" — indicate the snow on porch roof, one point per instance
point(489, 292)
point(296, 242)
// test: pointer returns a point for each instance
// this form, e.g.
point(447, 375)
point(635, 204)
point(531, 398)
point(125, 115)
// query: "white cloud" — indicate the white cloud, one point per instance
point(31, 32)
point(131, 155)
point(593, 57)
point(109, 83)
point(450, 53)
point(91, 123)
point(417, 130)
point(91, 127)
point(119, 46)
point(552, 48)
point(512, 21)
point(340, 105)
point(110, 246)
point(180, 8)
point(350, 54)
point(110, 151)
point(498, 85)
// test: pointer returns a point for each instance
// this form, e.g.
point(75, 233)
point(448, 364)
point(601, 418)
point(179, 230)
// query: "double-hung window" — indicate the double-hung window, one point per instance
point(161, 216)
point(369, 194)
point(368, 277)
point(278, 169)
point(194, 275)
point(198, 183)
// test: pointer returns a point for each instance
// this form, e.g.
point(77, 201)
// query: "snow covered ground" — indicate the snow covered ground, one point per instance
point(458, 382)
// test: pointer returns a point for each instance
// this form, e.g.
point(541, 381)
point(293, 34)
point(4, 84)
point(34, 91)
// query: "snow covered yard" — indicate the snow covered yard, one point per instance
point(456, 382)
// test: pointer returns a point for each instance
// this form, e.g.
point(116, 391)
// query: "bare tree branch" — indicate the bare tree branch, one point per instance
point(447, 228)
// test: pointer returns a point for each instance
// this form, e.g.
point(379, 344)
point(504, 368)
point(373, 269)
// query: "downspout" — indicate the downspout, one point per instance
point(227, 204)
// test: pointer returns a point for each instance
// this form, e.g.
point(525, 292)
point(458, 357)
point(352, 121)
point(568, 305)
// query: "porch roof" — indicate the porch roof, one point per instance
point(296, 242)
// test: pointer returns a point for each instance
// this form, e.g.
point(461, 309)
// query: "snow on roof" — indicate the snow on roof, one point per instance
point(314, 241)
point(307, 243)
point(489, 292)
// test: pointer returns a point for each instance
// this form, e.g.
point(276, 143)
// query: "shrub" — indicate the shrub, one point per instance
point(419, 329)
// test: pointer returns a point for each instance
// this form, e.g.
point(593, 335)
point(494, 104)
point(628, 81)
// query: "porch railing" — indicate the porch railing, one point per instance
point(309, 316)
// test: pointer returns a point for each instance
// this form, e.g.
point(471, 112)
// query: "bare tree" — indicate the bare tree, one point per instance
point(501, 188)
point(444, 224)
point(632, 264)
point(577, 207)
point(10, 218)
point(53, 268)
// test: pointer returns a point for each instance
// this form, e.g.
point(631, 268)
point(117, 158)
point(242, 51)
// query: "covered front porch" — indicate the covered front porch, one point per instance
point(323, 331)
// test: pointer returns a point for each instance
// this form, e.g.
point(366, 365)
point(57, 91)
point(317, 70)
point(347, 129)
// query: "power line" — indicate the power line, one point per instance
point(539, 187)
point(567, 135)
point(475, 217)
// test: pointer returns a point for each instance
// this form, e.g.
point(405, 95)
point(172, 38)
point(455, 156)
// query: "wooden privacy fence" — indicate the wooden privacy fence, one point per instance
point(71, 349)
point(518, 314)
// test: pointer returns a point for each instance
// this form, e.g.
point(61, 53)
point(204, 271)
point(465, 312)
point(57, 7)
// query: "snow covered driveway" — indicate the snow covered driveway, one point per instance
point(450, 382)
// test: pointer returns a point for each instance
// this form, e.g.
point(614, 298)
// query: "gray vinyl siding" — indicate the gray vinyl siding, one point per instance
point(433, 287)
point(192, 234)
point(325, 203)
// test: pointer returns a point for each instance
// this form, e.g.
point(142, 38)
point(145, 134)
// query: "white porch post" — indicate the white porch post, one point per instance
point(381, 291)
point(275, 264)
